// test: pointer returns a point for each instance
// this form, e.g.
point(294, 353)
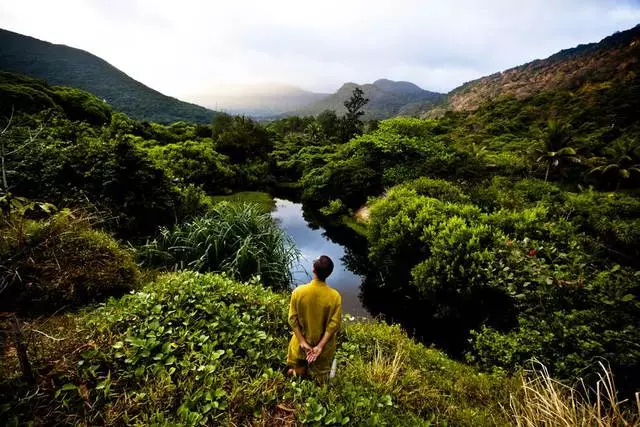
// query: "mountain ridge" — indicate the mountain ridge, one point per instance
point(387, 98)
point(259, 100)
point(60, 64)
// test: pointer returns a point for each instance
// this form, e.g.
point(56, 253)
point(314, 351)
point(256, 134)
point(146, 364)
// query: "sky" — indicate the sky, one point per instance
point(189, 47)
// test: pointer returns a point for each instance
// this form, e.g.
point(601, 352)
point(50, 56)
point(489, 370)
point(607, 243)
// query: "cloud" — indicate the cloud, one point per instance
point(184, 47)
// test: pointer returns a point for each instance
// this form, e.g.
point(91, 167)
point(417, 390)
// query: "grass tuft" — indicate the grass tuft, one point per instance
point(543, 401)
point(236, 238)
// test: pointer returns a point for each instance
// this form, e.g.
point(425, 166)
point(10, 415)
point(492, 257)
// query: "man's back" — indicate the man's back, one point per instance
point(315, 303)
point(315, 309)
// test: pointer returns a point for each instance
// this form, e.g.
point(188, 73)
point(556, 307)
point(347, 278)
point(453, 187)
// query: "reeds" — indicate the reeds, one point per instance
point(543, 401)
point(235, 238)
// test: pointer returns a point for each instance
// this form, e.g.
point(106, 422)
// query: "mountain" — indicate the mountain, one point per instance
point(67, 66)
point(613, 61)
point(257, 100)
point(387, 98)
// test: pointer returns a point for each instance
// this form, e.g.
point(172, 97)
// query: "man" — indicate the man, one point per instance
point(315, 313)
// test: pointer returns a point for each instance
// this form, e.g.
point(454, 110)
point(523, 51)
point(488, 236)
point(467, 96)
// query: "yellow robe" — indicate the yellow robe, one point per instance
point(315, 308)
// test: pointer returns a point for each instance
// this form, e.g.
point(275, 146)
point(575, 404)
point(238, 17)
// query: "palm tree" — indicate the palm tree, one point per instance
point(621, 164)
point(556, 151)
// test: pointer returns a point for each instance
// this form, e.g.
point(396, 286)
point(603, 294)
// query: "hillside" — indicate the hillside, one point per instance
point(614, 60)
point(257, 100)
point(387, 98)
point(64, 65)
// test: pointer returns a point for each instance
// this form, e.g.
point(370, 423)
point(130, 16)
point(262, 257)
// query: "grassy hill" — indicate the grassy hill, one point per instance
point(613, 61)
point(64, 65)
point(387, 98)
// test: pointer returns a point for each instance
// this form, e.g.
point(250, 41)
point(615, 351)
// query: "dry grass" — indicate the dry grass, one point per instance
point(543, 401)
point(385, 367)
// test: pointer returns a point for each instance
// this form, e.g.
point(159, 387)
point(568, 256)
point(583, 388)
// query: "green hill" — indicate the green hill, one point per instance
point(64, 65)
point(387, 98)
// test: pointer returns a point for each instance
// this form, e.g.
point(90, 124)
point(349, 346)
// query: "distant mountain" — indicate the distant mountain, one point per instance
point(67, 66)
point(257, 100)
point(614, 60)
point(387, 98)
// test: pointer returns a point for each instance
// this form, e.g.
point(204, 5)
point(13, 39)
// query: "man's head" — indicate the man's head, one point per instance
point(322, 267)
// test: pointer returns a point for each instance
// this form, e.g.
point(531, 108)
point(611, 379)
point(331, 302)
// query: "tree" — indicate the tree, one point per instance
point(556, 152)
point(622, 164)
point(351, 122)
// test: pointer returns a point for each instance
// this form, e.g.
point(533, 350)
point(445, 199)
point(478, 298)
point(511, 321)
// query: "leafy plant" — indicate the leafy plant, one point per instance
point(236, 238)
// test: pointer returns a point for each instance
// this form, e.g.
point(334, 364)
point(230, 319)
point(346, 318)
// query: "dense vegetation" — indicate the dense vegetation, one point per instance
point(64, 65)
point(203, 349)
point(499, 235)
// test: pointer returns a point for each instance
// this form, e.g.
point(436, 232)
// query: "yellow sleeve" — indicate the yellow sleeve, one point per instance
point(293, 311)
point(336, 317)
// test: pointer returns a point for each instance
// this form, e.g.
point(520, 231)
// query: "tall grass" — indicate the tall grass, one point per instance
point(543, 401)
point(237, 238)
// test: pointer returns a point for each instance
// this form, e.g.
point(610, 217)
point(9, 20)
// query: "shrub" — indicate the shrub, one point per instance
point(439, 189)
point(60, 262)
point(504, 193)
point(239, 239)
point(195, 163)
point(613, 218)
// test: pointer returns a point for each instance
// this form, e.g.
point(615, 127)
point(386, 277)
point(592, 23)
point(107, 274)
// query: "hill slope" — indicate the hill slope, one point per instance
point(614, 60)
point(258, 100)
point(64, 65)
point(387, 98)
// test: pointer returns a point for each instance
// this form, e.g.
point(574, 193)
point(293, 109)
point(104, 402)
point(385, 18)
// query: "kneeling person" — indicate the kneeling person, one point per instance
point(315, 312)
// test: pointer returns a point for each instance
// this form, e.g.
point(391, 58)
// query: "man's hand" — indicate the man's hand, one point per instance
point(306, 347)
point(313, 354)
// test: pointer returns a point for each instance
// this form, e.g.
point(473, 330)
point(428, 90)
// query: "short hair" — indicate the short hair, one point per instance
point(323, 267)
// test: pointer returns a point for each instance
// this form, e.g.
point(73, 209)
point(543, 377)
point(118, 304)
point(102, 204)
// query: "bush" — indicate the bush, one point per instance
point(195, 163)
point(60, 262)
point(239, 239)
point(504, 193)
point(439, 189)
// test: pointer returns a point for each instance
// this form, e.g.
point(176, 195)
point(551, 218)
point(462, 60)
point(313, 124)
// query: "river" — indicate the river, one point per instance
point(312, 241)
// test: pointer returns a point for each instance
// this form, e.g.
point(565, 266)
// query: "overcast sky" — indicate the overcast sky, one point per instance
point(187, 46)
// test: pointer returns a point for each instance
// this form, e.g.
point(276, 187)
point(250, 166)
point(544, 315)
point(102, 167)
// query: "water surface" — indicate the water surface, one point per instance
point(313, 242)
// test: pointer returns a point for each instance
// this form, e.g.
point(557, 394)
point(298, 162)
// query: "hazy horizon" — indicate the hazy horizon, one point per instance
point(193, 47)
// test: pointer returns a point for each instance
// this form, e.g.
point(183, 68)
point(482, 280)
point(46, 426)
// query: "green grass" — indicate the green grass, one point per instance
point(237, 238)
point(203, 349)
point(263, 200)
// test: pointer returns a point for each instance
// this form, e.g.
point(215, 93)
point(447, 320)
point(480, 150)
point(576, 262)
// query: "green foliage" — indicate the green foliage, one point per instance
point(621, 166)
point(23, 94)
point(366, 164)
point(504, 193)
point(613, 218)
point(203, 349)
point(80, 105)
point(70, 163)
point(526, 277)
point(335, 207)
point(60, 262)
point(238, 239)
point(195, 163)
point(438, 189)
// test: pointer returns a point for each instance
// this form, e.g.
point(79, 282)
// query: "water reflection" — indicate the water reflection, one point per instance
point(312, 241)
